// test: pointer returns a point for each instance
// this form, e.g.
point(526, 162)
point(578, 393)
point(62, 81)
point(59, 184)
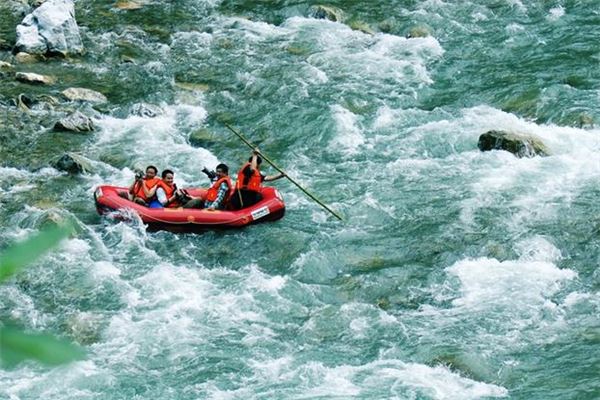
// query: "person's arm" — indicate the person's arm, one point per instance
point(254, 161)
point(217, 203)
point(270, 178)
point(149, 192)
point(161, 195)
point(133, 187)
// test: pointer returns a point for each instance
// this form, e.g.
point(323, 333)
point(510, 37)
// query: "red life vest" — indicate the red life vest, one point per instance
point(150, 183)
point(253, 184)
point(169, 190)
point(213, 192)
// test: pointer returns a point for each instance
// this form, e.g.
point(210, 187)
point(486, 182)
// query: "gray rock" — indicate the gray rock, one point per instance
point(518, 144)
point(73, 164)
point(145, 110)
point(75, 122)
point(327, 12)
point(35, 79)
point(26, 58)
point(50, 29)
point(82, 94)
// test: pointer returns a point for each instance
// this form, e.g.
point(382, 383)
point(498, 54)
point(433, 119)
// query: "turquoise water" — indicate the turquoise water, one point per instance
point(456, 274)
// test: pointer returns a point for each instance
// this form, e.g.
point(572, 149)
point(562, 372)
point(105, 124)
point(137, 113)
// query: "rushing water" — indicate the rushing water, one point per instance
point(456, 274)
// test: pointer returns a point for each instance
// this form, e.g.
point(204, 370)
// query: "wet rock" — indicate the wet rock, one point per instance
point(389, 25)
point(24, 102)
point(36, 3)
point(72, 163)
point(202, 138)
point(50, 29)
point(6, 69)
point(43, 101)
point(418, 32)
point(34, 79)
point(145, 110)
point(128, 5)
point(194, 87)
point(127, 59)
point(75, 122)
point(4, 45)
point(327, 12)
point(85, 327)
point(362, 27)
point(26, 58)
point(82, 94)
point(519, 144)
point(585, 121)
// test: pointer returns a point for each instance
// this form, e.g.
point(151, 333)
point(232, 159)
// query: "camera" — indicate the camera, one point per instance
point(139, 175)
point(211, 174)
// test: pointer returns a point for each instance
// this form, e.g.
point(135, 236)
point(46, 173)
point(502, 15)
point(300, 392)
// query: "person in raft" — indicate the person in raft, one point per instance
point(169, 196)
point(249, 182)
point(217, 195)
point(142, 189)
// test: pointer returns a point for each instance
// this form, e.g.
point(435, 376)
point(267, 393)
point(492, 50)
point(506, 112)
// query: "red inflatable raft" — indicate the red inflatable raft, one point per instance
point(270, 208)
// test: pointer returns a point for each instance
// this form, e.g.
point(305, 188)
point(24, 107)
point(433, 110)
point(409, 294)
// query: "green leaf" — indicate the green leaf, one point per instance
point(19, 255)
point(16, 346)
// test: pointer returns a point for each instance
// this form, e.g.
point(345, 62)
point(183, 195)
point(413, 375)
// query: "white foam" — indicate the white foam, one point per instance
point(378, 379)
point(537, 248)
point(537, 188)
point(556, 12)
point(489, 283)
point(349, 136)
point(162, 138)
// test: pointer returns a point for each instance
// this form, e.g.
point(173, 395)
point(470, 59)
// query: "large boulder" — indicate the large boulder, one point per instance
point(50, 29)
point(83, 94)
point(72, 163)
point(518, 144)
point(75, 122)
point(34, 79)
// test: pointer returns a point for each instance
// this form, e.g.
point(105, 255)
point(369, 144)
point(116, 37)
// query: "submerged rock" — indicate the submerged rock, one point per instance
point(361, 26)
point(73, 164)
point(145, 110)
point(519, 145)
point(202, 138)
point(327, 12)
point(50, 29)
point(82, 94)
point(418, 32)
point(75, 122)
point(35, 79)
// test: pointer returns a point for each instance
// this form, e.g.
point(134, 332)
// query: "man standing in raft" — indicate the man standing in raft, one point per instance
point(249, 183)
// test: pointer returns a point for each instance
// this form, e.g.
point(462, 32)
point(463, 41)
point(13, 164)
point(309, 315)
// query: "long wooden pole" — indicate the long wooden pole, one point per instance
point(243, 139)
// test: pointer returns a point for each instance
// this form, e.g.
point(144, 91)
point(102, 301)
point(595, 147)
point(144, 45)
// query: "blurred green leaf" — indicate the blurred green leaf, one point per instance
point(19, 255)
point(16, 346)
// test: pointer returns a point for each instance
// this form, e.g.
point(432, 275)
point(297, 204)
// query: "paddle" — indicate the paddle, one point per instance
point(238, 134)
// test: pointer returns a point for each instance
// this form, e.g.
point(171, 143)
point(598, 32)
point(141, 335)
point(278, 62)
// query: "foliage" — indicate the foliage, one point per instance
point(16, 345)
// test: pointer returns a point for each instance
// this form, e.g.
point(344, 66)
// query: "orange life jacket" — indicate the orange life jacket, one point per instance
point(213, 192)
point(150, 183)
point(253, 184)
point(169, 190)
